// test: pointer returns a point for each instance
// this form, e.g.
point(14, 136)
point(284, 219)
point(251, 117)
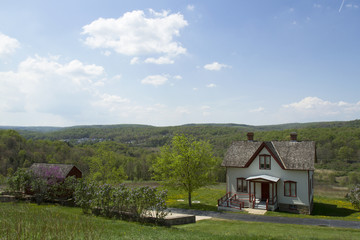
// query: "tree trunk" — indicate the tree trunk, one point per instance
point(189, 199)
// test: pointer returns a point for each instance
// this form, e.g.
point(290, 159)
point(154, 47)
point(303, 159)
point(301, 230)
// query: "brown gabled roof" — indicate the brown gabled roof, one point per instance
point(64, 169)
point(296, 155)
point(288, 154)
point(239, 153)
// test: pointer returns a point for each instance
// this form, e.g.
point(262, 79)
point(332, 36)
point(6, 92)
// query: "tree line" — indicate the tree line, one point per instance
point(132, 149)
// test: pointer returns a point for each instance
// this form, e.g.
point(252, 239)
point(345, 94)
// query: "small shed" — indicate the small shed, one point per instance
point(60, 171)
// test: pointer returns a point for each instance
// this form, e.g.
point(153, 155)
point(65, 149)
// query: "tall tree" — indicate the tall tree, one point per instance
point(106, 167)
point(185, 164)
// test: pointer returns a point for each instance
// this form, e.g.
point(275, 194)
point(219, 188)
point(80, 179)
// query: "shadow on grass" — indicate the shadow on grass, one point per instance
point(197, 206)
point(331, 210)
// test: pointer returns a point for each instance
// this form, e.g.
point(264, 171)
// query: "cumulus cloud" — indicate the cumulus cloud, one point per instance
point(160, 60)
point(45, 86)
point(155, 80)
point(7, 44)
point(318, 107)
point(136, 33)
point(134, 60)
point(215, 66)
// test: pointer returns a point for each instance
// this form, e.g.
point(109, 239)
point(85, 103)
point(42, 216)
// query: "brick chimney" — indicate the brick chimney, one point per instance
point(250, 136)
point(293, 136)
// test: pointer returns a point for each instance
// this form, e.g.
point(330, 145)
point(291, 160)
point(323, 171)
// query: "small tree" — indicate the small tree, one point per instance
point(354, 196)
point(186, 164)
point(18, 181)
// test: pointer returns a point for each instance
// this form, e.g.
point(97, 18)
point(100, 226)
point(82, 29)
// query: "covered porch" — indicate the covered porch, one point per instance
point(261, 194)
point(263, 191)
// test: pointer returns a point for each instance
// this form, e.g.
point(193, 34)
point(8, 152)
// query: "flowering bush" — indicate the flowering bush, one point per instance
point(84, 195)
point(46, 184)
point(354, 196)
point(109, 201)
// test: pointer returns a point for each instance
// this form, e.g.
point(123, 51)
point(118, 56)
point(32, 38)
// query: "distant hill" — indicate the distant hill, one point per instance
point(32, 129)
point(286, 126)
point(338, 143)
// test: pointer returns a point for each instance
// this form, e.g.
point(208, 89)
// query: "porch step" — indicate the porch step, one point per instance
point(260, 206)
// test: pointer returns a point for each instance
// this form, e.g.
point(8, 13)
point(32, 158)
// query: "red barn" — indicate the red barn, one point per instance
point(59, 171)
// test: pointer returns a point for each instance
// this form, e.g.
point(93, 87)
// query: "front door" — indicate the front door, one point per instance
point(264, 191)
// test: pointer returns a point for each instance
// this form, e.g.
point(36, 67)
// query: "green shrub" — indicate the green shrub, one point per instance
point(19, 181)
point(108, 201)
point(354, 196)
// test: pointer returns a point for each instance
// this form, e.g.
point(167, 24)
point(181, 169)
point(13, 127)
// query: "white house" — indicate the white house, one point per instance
point(270, 175)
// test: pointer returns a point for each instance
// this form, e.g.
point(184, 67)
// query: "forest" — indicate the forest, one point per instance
point(130, 150)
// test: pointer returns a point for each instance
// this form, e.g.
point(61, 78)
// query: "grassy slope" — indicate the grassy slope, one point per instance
point(29, 221)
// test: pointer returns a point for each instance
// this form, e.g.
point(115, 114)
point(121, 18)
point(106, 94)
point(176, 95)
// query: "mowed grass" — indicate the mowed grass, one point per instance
point(29, 221)
point(206, 196)
point(329, 203)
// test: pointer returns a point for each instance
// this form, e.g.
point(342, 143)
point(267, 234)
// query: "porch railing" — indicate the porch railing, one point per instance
point(267, 204)
point(232, 201)
point(235, 201)
point(224, 199)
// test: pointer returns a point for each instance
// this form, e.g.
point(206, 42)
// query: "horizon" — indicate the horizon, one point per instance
point(164, 63)
point(147, 125)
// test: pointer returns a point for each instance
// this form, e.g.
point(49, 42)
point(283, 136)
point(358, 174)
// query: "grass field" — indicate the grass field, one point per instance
point(207, 196)
point(329, 202)
point(29, 221)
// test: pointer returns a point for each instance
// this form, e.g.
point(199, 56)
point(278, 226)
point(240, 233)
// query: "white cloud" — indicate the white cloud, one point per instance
point(160, 60)
point(7, 44)
point(112, 103)
point(316, 5)
point(177, 77)
point(134, 60)
point(317, 107)
point(259, 109)
point(155, 80)
point(190, 7)
point(211, 85)
point(215, 66)
point(135, 33)
point(48, 89)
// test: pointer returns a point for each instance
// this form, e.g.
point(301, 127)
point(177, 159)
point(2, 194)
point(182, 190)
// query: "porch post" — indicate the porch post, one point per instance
point(254, 190)
point(272, 195)
point(250, 191)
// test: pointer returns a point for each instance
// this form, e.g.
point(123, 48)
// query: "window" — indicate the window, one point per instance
point(242, 185)
point(290, 189)
point(265, 162)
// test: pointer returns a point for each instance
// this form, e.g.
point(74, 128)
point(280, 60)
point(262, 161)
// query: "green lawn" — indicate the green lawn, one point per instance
point(329, 202)
point(29, 221)
point(207, 196)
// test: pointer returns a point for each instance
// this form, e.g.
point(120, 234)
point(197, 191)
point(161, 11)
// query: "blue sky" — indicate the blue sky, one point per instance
point(164, 63)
